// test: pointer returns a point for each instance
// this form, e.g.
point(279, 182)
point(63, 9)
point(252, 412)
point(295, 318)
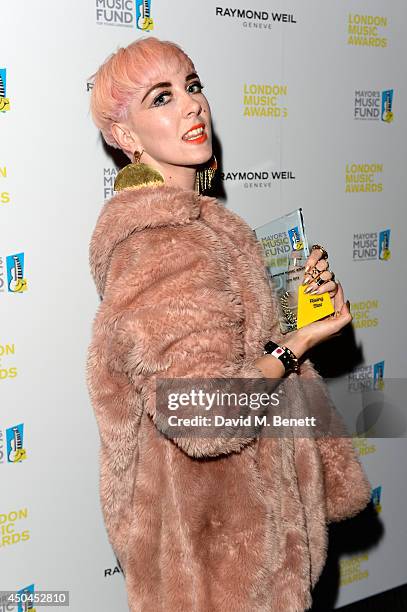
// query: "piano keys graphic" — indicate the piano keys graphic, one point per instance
point(15, 450)
point(15, 273)
point(144, 21)
point(4, 101)
point(26, 606)
point(2, 86)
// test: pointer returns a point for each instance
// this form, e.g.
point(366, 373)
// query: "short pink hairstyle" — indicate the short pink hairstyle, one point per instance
point(130, 68)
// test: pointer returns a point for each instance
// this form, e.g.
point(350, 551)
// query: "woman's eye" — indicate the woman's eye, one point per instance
point(160, 99)
point(195, 87)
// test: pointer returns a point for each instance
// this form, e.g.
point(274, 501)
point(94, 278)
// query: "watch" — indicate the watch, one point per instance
point(284, 354)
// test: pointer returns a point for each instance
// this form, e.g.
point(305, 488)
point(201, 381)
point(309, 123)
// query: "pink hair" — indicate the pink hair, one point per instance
point(130, 68)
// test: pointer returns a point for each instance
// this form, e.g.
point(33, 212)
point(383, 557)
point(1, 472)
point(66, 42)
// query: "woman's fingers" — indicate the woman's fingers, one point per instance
point(321, 284)
point(315, 256)
point(339, 299)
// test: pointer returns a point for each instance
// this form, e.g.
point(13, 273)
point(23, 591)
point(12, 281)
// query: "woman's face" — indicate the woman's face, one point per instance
point(171, 120)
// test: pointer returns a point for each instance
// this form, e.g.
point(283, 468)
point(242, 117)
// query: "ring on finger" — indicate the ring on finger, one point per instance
point(320, 281)
point(324, 252)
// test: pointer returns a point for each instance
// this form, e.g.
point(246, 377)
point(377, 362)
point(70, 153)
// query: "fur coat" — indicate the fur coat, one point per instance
point(201, 525)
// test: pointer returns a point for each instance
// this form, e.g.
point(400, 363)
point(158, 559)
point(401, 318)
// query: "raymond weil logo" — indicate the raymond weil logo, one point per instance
point(265, 100)
point(367, 377)
point(4, 193)
point(369, 246)
point(112, 571)
point(125, 13)
point(363, 178)
point(8, 368)
point(12, 277)
point(257, 179)
point(4, 100)
point(250, 18)
point(367, 30)
point(373, 105)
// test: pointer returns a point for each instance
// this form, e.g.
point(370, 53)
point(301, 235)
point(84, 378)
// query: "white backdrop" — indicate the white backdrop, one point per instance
point(53, 177)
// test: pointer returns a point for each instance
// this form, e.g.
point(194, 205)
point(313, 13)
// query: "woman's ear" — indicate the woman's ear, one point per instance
point(124, 138)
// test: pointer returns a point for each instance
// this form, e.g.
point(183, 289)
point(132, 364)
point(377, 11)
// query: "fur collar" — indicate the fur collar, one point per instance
point(135, 210)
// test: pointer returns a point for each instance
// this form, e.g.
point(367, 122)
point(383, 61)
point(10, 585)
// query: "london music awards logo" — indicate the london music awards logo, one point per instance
point(255, 19)
point(370, 246)
point(365, 314)
point(367, 30)
point(367, 378)
point(4, 100)
point(374, 105)
point(257, 179)
point(7, 369)
point(363, 178)
point(265, 100)
point(125, 13)
point(352, 569)
point(13, 527)
point(12, 277)
point(109, 176)
point(4, 194)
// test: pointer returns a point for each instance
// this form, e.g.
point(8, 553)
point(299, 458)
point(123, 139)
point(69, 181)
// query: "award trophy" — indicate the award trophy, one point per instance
point(286, 249)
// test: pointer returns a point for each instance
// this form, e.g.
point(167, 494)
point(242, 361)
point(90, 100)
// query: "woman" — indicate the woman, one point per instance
point(210, 524)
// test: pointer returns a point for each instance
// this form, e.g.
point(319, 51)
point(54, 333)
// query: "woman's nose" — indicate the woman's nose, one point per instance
point(191, 105)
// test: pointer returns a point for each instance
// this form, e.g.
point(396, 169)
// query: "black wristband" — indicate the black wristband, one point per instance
point(284, 354)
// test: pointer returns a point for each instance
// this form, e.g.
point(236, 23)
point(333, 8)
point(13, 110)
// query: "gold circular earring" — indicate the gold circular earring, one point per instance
point(137, 174)
point(204, 176)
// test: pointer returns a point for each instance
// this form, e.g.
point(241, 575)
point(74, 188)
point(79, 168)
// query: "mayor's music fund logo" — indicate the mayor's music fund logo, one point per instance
point(4, 193)
point(367, 378)
point(255, 19)
point(265, 100)
point(109, 177)
point(373, 105)
point(12, 274)
point(257, 179)
point(4, 100)
point(363, 178)
point(376, 498)
point(8, 368)
point(367, 30)
point(368, 246)
point(12, 447)
point(125, 13)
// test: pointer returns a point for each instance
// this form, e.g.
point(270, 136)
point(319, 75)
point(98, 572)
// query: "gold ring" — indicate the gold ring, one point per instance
point(321, 248)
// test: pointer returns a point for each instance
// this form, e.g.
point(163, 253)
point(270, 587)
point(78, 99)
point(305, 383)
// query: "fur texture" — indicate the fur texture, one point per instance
point(202, 525)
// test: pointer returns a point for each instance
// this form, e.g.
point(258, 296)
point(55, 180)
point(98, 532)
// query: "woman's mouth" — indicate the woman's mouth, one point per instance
point(196, 135)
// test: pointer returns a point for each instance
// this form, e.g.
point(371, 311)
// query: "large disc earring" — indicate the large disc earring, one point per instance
point(136, 175)
point(205, 176)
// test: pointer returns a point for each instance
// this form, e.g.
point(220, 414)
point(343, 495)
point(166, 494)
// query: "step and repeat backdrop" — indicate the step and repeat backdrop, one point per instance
point(309, 109)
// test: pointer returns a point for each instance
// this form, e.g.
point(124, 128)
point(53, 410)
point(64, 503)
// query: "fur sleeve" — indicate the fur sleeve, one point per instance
point(167, 313)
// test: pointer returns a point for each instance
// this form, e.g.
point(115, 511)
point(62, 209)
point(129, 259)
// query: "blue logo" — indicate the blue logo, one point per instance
point(15, 444)
point(15, 273)
point(378, 375)
point(384, 245)
point(387, 105)
point(295, 239)
point(4, 101)
point(144, 20)
point(376, 497)
point(27, 597)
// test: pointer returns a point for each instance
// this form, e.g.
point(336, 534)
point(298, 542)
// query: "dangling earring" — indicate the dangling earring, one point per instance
point(136, 175)
point(205, 176)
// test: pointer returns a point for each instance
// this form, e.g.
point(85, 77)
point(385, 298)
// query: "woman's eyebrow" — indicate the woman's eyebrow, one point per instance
point(156, 86)
point(193, 75)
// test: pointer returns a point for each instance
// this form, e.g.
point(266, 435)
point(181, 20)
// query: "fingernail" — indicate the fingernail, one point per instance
point(313, 291)
point(307, 269)
point(309, 289)
point(307, 280)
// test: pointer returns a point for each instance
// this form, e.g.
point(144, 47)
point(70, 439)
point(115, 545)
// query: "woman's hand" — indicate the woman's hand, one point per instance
point(318, 278)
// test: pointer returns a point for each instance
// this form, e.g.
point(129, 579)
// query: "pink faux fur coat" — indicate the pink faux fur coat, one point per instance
point(198, 526)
